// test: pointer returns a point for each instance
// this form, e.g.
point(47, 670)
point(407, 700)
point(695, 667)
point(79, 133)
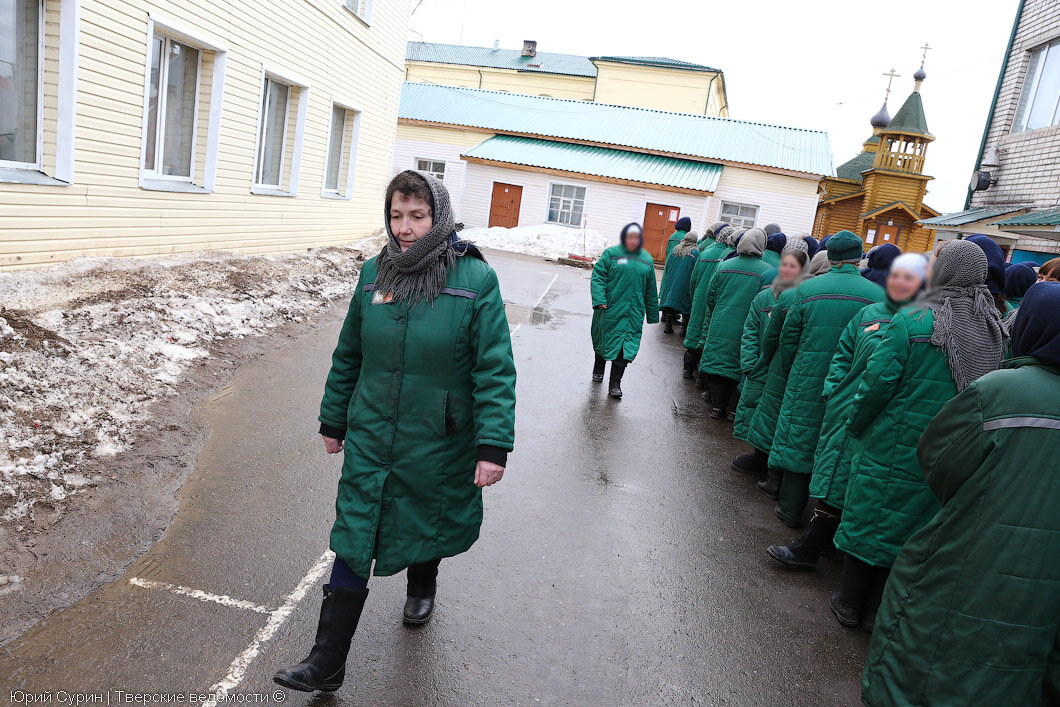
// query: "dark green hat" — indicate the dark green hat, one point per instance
point(844, 246)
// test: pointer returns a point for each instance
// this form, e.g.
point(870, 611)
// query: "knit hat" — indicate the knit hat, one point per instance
point(712, 231)
point(722, 234)
point(796, 244)
point(1036, 331)
point(995, 258)
point(1018, 279)
point(776, 242)
point(819, 264)
point(811, 245)
point(880, 259)
point(843, 246)
point(771, 228)
point(684, 224)
point(916, 263)
point(752, 243)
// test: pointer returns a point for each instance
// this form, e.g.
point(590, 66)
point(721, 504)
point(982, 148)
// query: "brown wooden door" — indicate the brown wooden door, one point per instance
point(504, 207)
point(659, 222)
point(887, 234)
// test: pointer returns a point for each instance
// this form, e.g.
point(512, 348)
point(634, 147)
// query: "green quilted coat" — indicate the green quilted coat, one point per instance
point(733, 287)
point(625, 282)
point(971, 613)
point(754, 332)
point(416, 390)
point(763, 422)
point(772, 258)
point(671, 243)
point(812, 328)
point(835, 449)
point(709, 257)
point(907, 380)
point(673, 292)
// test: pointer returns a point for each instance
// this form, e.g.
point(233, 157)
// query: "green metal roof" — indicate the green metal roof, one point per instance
point(599, 161)
point(852, 169)
point(969, 215)
point(544, 62)
point(659, 61)
point(1041, 217)
point(910, 117)
point(676, 134)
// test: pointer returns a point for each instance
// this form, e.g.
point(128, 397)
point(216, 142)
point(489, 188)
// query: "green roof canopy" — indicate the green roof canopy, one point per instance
point(970, 215)
point(659, 61)
point(599, 161)
point(910, 117)
point(1041, 217)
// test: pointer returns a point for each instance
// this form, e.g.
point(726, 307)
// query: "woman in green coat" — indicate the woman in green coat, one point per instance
point(932, 350)
point(706, 264)
point(623, 292)
point(971, 613)
point(420, 400)
point(832, 462)
point(734, 285)
point(674, 299)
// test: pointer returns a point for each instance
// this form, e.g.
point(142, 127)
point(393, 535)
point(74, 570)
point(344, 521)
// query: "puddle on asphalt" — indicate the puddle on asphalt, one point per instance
point(528, 316)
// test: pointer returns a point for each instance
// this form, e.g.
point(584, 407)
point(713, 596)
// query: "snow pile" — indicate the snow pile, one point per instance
point(546, 240)
point(86, 346)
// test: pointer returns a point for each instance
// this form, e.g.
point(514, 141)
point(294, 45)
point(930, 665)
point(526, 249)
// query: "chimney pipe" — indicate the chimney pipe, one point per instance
point(496, 44)
point(529, 47)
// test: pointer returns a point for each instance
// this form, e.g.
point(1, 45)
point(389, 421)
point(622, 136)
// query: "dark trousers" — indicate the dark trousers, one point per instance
point(794, 494)
point(420, 574)
point(724, 394)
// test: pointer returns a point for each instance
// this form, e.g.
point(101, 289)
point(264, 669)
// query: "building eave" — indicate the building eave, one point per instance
point(583, 175)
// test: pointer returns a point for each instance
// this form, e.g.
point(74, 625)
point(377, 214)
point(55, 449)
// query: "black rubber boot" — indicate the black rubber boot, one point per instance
point(422, 587)
point(804, 552)
point(614, 387)
point(734, 401)
point(689, 364)
point(668, 322)
point(598, 369)
point(719, 397)
point(754, 463)
point(848, 601)
point(701, 377)
point(771, 486)
point(325, 667)
point(875, 595)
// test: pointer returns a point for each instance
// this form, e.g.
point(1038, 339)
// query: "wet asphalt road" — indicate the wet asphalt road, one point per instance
point(621, 561)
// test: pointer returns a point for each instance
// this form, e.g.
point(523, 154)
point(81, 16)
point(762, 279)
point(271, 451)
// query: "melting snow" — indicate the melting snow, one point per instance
point(545, 240)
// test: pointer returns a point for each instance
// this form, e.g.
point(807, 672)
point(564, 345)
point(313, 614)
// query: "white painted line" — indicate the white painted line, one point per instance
point(237, 670)
point(199, 594)
point(516, 329)
point(550, 284)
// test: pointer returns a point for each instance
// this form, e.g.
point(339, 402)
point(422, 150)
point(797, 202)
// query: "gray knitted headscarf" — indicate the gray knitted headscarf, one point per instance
point(712, 232)
point(819, 265)
point(797, 243)
point(420, 272)
point(967, 324)
point(722, 236)
point(687, 244)
point(753, 243)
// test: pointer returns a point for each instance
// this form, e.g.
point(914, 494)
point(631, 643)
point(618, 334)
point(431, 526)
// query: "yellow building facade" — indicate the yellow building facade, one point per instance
point(141, 127)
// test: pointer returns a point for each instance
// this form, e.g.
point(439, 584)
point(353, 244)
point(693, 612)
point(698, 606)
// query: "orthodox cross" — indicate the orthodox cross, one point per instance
point(892, 76)
point(923, 58)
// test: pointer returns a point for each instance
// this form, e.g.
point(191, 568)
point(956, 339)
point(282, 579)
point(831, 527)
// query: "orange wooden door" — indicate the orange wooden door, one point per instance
point(659, 222)
point(504, 207)
point(887, 234)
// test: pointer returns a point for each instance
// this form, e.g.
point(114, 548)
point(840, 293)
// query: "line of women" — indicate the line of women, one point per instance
point(909, 409)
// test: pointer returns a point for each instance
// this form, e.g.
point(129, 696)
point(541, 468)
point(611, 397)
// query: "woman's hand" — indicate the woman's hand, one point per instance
point(332, 445)
point(487, 473)
point(600, 306)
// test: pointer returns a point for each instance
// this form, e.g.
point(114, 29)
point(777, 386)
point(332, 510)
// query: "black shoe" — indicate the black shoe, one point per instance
point(754, 463)
point(793, 524)
point(598, 370)
point(614, 387)
point(701, 381)
point(771, 486)
point(730, 416)
point(615, 390)
point(716, 414)
point(847, 614)
point(804, 552)
point(324, 668)
point(669, 328)
point(791, 558)
point(689, 373)
point(422, 588)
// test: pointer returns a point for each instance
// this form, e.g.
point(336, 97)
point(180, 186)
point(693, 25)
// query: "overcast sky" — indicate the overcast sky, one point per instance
point(811, 65)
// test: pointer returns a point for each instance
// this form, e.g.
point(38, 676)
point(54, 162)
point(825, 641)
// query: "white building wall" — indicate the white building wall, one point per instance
point(408, 152)
point(790, 202)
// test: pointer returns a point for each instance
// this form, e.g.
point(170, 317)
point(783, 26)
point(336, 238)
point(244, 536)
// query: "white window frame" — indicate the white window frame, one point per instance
point(548, 203)
point(416, 166)
point(268, 72)
point(352, 128)
point(1031, 92)
point(155, 174)
point(723, 217)
point(366, 17)
point(38, 142)
point(161, 24)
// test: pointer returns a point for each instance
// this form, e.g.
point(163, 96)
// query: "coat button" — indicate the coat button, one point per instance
point(401, 320)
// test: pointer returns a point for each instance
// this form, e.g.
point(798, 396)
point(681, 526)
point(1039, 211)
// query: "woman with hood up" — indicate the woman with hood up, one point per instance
point(623, 292)
point(775, 244)
point(931, 352)
point(995, 279)
point(1018, 279)
point(880, 259)
point(971, 612)
point(729, 296)
point(832, 461)
point(674, 298)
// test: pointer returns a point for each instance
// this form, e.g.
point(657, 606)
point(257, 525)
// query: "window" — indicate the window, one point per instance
point(273, 133)
point(172, 109)
point(361, 8)
point(21, 81)
point(566, 204)
point(342, 151)
point(1037, 106)
point(433, 167)
point(738, 215)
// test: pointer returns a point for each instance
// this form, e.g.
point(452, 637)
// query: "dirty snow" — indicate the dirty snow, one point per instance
point(86, 346)
point(544, 240)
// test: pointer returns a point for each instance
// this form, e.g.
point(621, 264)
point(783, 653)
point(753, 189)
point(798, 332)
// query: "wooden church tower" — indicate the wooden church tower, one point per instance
point(879, 195)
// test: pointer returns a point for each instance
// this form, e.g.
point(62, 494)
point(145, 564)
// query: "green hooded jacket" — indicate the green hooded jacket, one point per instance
point(754, 332)
point(812, 328)
point(416, 390)
point(970, 613)
point(733, 287)
point(702, 273)
point(673, 293)
point(763, 422)
point(907, 381)
point(625, 282)
point(835, 449)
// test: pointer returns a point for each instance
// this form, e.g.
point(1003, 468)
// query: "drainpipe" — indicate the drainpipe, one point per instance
point(480, 78)
point(706, 108)
point(993, 102)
